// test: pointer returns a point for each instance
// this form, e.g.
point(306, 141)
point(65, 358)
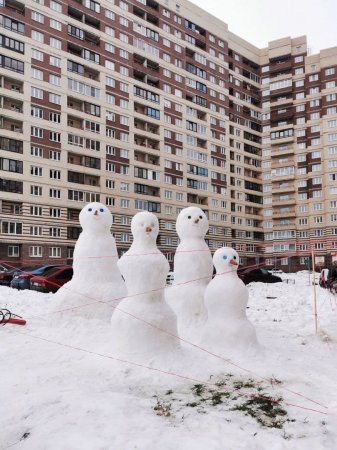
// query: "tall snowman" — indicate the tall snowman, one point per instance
point(138, 322)
point(226, 297)
point(96, 277)
point(193, 269)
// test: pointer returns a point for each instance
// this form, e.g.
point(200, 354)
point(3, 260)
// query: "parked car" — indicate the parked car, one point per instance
point(258, 274)
point(6, 274)
point(21, 278)
point(52, 279)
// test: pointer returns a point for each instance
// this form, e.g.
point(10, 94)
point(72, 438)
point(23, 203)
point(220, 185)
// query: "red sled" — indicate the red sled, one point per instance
point(15, 321)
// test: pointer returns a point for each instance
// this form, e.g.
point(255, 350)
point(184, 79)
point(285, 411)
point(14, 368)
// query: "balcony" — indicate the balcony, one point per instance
point(83, 160)
point(11, 84)
point(11, 208)
point(147, 158)
point(146, 127)
point(11, 104)
point(9, 124)
point(281, 188)
point(144, 189)
point(75, 122)
point(197, 199)
point(83, 178)
point(15, 5)
point(144, 141)
point(282, 201)
point(284, 212)
point(90, 20)
point(82, 70)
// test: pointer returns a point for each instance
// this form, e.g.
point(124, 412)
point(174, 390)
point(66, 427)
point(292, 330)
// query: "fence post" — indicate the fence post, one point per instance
point(314, 284)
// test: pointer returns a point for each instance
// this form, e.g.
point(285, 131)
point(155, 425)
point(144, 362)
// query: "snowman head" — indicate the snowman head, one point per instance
point(191, 223)
point(95, 217)
point(145, 227)
point(226, 259)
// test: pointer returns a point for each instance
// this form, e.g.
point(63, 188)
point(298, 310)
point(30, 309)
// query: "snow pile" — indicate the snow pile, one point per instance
point(63, 387)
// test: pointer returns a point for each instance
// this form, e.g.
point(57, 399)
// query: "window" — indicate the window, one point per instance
point(54, 98)
point(330, 97)
point(55, 24)
point(55, 61)
point(11, 227)
point(55, 6)
point(330, 71)
point(54, 155)
point(36, 132)
point(36, 190)
point(13, 251)
point(55, 174)
point(35, 251)
point(36, 151)
point(54, 136)
point(37, 54)
point(124, 21)
point(54, 193)
point(37, 17)
point(37, 36)
point(54, 252)
point(55, 79)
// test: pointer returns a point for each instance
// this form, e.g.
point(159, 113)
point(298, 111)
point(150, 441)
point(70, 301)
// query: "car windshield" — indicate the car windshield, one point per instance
point(41, 270)
point(264, 271)
point(25, 269)
point(50, 271)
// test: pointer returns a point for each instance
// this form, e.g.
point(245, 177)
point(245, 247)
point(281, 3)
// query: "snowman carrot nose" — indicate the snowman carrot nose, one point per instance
point(96, 212)
point(148, 229)
point(196, 221)
point(233, 262)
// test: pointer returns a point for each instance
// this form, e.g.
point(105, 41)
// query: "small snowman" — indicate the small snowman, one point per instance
point(138, 322)
point(193, 270)
point(96, 276)
point(226, 299)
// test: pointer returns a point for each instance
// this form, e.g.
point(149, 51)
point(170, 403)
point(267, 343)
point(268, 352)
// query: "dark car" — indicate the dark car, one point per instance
point(21, 278)
point(52, 280)
point(258, 274)
point(6, 273)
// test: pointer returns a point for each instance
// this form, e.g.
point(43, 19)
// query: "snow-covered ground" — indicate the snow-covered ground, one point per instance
point(62, 389)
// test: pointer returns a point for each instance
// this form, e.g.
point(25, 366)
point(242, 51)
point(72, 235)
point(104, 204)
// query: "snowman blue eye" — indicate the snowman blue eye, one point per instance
point(89, 209)
point(101, 209)
point(224, 257)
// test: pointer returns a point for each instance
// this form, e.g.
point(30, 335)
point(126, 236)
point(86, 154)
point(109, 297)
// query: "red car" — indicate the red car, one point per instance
point(52, 280)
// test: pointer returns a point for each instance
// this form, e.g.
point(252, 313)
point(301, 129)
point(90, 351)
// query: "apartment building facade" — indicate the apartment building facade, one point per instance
point(156, 105)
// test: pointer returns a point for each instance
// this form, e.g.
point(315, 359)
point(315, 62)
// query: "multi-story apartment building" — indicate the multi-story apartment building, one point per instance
point(156, 105)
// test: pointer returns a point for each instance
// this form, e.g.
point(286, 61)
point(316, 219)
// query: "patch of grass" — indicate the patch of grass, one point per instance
point(230, 393)
point(198, 389)
point(265, 409)
point(162, 408)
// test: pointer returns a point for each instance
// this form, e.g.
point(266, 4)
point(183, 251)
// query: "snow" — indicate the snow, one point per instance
point(62, 389)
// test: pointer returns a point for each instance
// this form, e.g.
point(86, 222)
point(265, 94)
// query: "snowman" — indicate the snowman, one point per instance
point(193, 270)
point(138, 322)
point(96, 276)
point(226, 299)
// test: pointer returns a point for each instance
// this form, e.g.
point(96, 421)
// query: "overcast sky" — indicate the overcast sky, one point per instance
point(261, 21)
